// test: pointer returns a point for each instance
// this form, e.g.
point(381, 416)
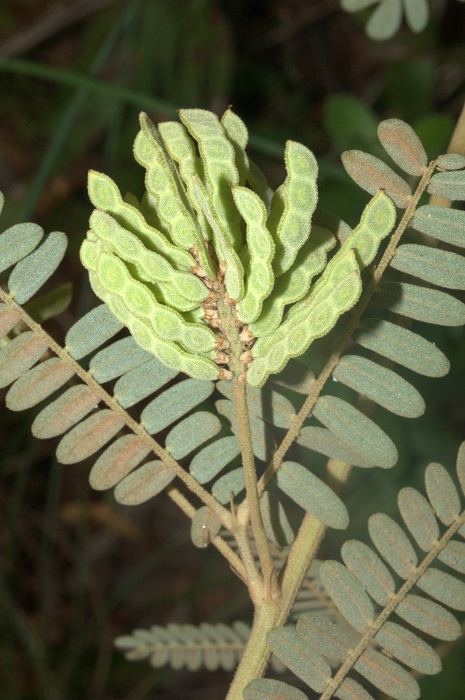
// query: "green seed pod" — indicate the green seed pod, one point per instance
point(181, 149)
point(131, 199)
point(377, 221)
point(167, 323)
point(150, 266)
point(115, 304)
point(105, 195)
point(148, 209)
point(168, 352)
point(340, 292)
point(165, 186)
point(259, 274)
point(295, 283)
point(89, 255)
point(234, 275)
point(219, 160)
point(237, 133)
point(292, 228)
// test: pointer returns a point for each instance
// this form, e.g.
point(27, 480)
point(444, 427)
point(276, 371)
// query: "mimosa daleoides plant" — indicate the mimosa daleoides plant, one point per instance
point(220, 278)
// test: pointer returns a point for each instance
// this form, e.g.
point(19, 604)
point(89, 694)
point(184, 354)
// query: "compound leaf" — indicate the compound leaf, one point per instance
point(143, 483)
point(420, 303)
point(392, 544)
point(307, 664)
point(312, 494)
point(379, 384)
point(403, 145)
point(360, 433)
point(34, 270)
point(371, 174)
point(348, 594)
point(403, 346)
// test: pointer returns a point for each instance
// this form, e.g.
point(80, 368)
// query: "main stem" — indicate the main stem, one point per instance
point(248, 464)
point(272, 614)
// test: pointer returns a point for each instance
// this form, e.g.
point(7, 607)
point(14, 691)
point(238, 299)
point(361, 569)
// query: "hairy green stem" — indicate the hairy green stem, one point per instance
point(272, 614)
point(248, 464)
point(256, 653)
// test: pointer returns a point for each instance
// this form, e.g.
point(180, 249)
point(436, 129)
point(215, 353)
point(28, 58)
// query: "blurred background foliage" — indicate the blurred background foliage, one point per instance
point(77, 569)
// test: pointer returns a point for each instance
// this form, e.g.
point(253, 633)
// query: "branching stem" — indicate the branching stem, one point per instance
point(189, 510)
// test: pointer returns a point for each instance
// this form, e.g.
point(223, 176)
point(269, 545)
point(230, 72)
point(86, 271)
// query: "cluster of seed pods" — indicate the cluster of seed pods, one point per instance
point(212, 271)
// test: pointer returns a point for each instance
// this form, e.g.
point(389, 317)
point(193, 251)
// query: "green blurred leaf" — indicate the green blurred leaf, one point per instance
point(51, 304)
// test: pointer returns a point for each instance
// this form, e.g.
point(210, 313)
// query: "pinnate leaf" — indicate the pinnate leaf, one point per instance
point(314, 437)
point(385, 20)
point(324, 636)
point(205, 527)
point(142, 381)
point(430, 617)
point(416, 14)
point(212, 459)
point(360, 433)
point(75, 403)
point(89, 436)
point(192, 432)
point(408, 648)
point(379, 384)
point(451, 161)
point(402, 346)
point(419, 518)
point(443, 223)
point(38, 383)
point(348, 594)
point(123, 455)
point(387, 675)
point(275, 521)
point(448, 184)
point(143, 483)
point(19, 355)
point(307, 664)
point(312, 494)
point(442, 493)
point(421, 303)
point(371, 174)
point(91, 331)
point(120, 357)
point(445, 588)
point(8, 319)
point(34, 270)
point(174, 403)
point(393, 544)
point(440, 267)
point(17, 242)
point(268, 689)
point(351, 690)
point(368, 568)
point(403, 145)
point(229, 485)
